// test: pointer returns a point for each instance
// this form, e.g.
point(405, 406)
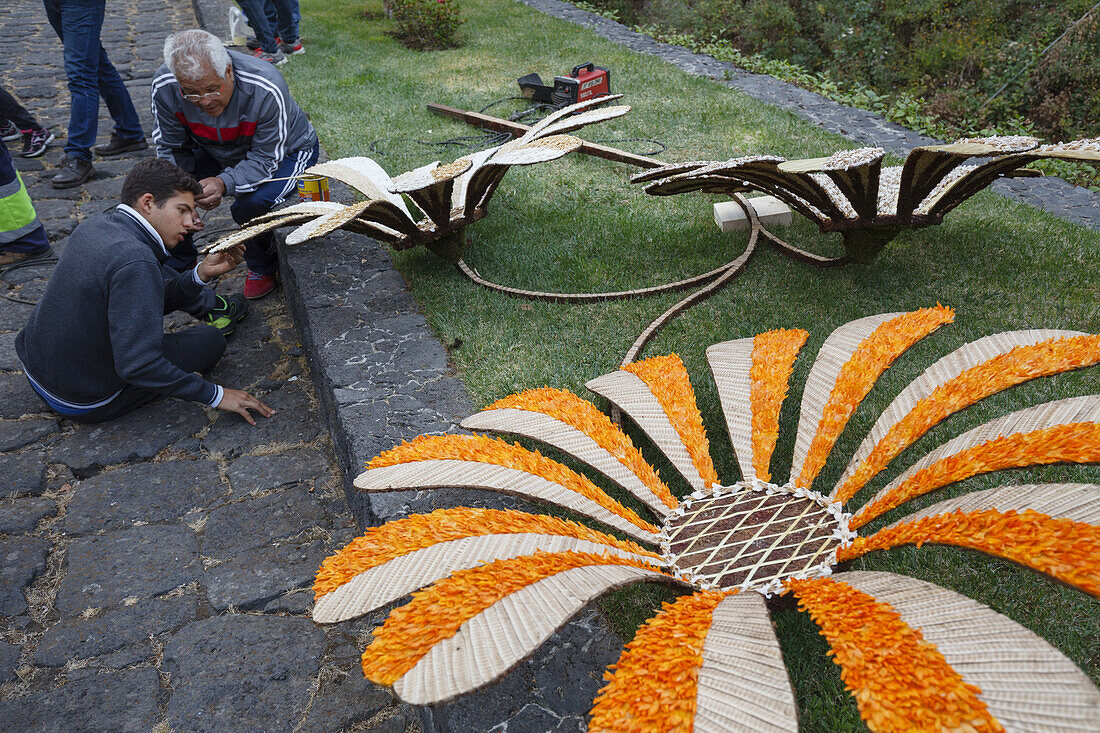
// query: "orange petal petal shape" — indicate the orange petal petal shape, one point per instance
point(900, 681)
point(1066, 550)
point(1007, 370)
point(667, 378)
point(581, 414)
point(481, 449)
point(379, 545)
point(871, 358)
point(654, 683)
point(437, 613)
point(773, 355)
point(1071, 443)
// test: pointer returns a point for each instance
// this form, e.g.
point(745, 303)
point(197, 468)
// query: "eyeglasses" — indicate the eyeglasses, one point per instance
point(200, 97)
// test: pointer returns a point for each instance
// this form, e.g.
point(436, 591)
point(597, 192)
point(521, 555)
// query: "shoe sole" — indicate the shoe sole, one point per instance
point(128, 149)
point(264, 294)
point(11, 138)
point(40, 151)
point(72, 184)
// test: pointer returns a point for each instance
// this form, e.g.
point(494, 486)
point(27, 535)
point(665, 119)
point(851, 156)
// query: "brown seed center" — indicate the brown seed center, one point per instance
point(753, 537)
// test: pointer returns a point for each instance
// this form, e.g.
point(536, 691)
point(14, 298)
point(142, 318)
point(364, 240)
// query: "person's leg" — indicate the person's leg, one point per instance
point(257, 18)
point(78, 23)
point(16, 113)
point(117, 98)
point(272, 18)
point(194, 350)
point(286, 17)
point(260, 253)
point(22, 236)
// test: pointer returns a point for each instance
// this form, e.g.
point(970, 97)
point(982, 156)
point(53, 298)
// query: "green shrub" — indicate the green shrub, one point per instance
point(426, 25)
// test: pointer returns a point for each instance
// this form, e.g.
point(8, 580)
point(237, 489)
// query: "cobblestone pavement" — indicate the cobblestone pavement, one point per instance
point(1052, 194)
point(154, 571)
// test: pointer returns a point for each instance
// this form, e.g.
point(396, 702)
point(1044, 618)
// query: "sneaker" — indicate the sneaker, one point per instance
point(227, 313)
point(10, 258)
point(73, 172)
point(292, 49)
point(257, 285)
point(119, 145)
point(35, 142)
point(252, 43)
point(278, 58)
point(9, 132)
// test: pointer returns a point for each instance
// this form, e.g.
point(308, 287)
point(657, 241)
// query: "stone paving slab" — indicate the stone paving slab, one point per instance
point(155, 571)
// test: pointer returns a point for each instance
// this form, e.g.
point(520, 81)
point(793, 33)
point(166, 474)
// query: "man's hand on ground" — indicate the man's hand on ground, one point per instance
point(240, 402)
point(213, 189)
point(220, 263)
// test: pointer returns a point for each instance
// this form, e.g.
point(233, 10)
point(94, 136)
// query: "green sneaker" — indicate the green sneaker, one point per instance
point(227, 314)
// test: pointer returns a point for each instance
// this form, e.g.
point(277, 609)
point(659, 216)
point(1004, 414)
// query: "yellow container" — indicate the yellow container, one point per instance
point(313, 188)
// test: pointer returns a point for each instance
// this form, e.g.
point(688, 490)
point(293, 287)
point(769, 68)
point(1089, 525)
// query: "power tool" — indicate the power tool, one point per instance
point(584, 82)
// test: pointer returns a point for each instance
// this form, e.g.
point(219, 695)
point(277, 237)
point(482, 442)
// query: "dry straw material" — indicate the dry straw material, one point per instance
point(914, 656)
point(447, 197)
point(852, 193)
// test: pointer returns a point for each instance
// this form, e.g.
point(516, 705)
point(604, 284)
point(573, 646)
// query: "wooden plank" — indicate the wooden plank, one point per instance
point(516, 129)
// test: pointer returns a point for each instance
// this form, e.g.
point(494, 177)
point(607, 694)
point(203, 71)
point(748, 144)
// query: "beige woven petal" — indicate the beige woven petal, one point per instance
point(578, 121)
point(634, 397)
point(537, 129)
point(945, 369)
point(429, 175)
point(435, 474)
point(493, 641)
point(1079, 502)
point(665, 171)
point(362, 174)
point(927, 167)
point(1051, 414)
point(322, 225)
point(743, 683)
point(1084, 150)
point(385, 583)
point(254, 230)
point(537, 151)
point(730, 363)
point(458, 193)
point(834, 354)
point(570, 440)
point(1026, 683)
point(316, 208)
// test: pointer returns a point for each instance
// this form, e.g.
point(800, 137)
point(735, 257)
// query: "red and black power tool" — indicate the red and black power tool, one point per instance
point(584, 82)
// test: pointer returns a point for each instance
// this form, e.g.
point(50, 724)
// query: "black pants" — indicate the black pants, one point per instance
point(195, 349)
point(13, 112)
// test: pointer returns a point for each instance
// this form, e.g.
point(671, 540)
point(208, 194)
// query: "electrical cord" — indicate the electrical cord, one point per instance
point(47, 259)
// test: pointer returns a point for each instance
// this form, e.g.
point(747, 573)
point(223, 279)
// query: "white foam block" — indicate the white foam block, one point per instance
point(772, 212)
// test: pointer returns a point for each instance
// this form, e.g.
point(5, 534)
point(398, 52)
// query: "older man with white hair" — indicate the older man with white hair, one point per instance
point(229, 120)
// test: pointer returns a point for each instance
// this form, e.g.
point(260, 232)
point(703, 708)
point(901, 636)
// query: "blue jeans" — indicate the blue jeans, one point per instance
point(285, 17)
point(259, 252)
point(90, 75)
point(270, 18)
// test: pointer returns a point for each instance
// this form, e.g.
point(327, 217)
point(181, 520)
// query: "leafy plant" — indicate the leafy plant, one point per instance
point(426, 25)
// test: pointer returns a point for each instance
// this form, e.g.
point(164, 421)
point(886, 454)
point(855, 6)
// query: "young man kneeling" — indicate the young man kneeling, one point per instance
point(95, 347)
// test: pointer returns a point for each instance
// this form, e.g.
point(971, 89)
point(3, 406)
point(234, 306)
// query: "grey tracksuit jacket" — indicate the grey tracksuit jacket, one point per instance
point(261, 125)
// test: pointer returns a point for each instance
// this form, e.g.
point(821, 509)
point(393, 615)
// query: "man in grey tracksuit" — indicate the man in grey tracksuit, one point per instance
point(229, 120)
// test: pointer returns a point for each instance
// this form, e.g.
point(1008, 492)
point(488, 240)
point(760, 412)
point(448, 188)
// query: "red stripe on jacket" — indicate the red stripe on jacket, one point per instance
point(222, 134)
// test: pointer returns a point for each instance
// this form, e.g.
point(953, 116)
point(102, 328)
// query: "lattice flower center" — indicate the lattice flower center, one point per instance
point(754, 536)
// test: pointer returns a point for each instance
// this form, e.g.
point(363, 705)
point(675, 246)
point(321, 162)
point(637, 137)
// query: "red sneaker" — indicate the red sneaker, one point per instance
point(257, 285)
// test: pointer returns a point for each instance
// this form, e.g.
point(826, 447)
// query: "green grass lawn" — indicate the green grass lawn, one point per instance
point(577, 224)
